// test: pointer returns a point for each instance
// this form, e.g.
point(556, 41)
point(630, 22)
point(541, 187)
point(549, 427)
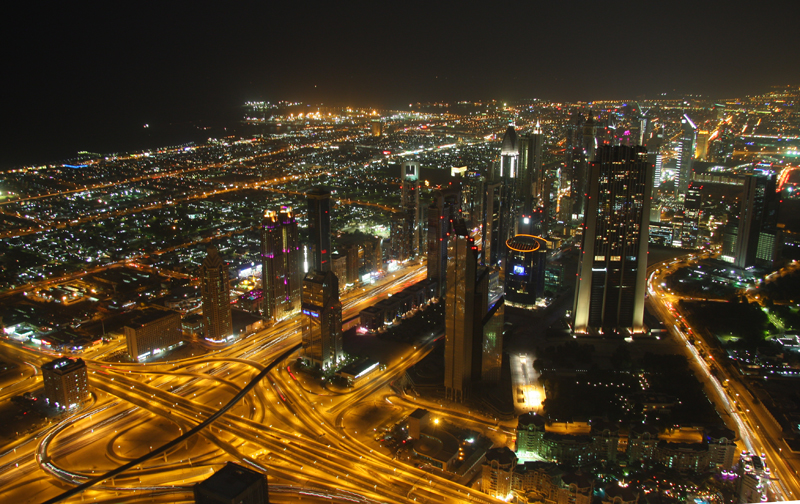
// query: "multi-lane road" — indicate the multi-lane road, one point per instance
point(297, 432)
point(757, 432)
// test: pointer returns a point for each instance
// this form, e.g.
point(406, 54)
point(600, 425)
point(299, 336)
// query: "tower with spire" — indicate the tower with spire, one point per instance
point(506, 206)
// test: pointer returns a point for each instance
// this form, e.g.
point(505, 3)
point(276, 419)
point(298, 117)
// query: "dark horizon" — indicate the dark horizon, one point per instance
point(90, 78)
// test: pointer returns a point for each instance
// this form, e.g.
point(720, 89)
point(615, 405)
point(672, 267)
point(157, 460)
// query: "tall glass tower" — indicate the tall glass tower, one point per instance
point(462, 268)
point(215, 293)
point(319, 226)
point(684, 155)
point(612, 274)
point(322, 334)
point(281, 265)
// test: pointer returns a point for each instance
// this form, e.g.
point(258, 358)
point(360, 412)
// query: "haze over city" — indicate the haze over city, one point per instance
point(530, 253)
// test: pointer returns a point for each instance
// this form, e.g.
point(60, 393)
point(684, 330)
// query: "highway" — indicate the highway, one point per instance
point(756, 432)
point(297, 435)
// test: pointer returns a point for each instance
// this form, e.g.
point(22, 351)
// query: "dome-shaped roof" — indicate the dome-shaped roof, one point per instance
point(509, 142)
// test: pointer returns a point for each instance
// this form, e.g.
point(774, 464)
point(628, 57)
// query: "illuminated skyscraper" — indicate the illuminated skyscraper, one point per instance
point(684, 155)
point(462, 268)
point(408, 234)
point(441, 213)
point(376, 127)
point(590, 136)
point(322, 333)
point(525, 270)
point(611, 286)
point(473, 193)
point(757, 221)
point(319, 226)
point(588, 145)
point(491, 241)
point(489, 315)
point(531, 167)
point(215, 292)
point(474, 317)
point(282, 265)
point(701, 150)
point(692, 205)
point(573, 172)
point(655, 160)
point(502, 202)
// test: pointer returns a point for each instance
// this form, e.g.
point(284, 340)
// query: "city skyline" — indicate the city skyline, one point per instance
point(94, 76)
point(478, 302)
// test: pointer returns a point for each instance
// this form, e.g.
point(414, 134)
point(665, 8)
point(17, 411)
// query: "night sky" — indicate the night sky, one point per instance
point(80, 78)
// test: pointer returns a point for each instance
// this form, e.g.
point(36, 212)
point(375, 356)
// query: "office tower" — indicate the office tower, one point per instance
point(730, 237)
point(339, 268)
point(525, 270)
point(410, 186)
point(462, 267)
point(233, 484)
point(531, 223)
point(501, 202)
point(351, 251)
point(588, 139)
point(644, 124)
point(720, 148)
point(439, 224)
point(573, 154)
point(692, 205)
point(684, 155)
point(611, 287)
point(215, 293)
point(574, 172)
point(538, 175)
point(474, 317)
point(507, 205)
point(322, 333)
point(491, 241)
point(473, 194)
point(319, 227)
point(655, 160)
point(151, 332)
point(757, 219)
point(281, 265)
point(531, 170)
point(66, 383)
point(589, 136)
point(489, 316)
point(376, 127)
point(701, 150)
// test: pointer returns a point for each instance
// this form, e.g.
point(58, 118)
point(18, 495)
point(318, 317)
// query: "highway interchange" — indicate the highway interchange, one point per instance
point(295, 431)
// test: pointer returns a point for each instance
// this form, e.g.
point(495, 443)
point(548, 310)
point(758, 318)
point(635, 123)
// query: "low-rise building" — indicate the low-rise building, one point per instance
point(233, 484)
point(359, 372)
point(66, 383)
point(416, 421)
point(192, 325)
point(151, 332)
